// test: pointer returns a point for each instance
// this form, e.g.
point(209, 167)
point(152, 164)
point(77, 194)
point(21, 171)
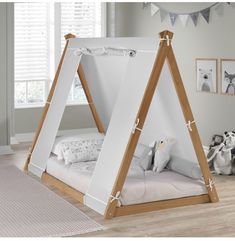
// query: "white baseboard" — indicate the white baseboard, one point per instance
point(6, 150)
point(14, 141)
point(28, 137)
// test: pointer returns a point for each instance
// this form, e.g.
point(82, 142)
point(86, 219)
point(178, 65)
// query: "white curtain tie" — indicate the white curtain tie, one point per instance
point(189, 125)
point(210, 184)
point(116, 198)
point(135, 126)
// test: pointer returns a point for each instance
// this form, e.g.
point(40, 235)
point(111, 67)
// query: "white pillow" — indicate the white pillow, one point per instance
point(144, 155)
point(81, 150)
point(69, 138)
point(162, 154)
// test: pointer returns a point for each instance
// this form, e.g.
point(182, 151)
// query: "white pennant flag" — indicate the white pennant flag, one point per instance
point(219, 8)
point(184, 19)
point(154, 9)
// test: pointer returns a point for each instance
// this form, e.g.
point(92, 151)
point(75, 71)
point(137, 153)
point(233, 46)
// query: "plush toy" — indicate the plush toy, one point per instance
point(229, 139)
point(221, 156)
point(222, 162)
point(216, 140)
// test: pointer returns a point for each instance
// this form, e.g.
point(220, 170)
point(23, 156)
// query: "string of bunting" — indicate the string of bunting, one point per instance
point(184, 17)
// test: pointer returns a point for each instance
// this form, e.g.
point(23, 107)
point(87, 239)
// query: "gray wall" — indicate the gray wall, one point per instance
point(214, 113)
point(3, 77)
point(6, 75)
point(75, 117)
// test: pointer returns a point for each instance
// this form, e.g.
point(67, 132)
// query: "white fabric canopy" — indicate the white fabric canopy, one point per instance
point(117, 85)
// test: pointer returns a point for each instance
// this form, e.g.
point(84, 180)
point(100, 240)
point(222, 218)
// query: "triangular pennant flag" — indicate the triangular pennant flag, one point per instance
point(145, 4)
point(206, 14)
point(173, 17)
point(219, 8)
point(163, 14)
point(184, 19)
point(194, 17)
point(154, 9)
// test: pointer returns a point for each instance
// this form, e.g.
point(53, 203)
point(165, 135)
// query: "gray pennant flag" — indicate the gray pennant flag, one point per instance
point(163, 14)
point(206, 14)
point(194, 17)
point(173, 17)
point(145, 4)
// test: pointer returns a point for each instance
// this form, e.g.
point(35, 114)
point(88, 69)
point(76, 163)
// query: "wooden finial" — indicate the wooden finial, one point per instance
point(69, 35)
point(163, 34)
point(165, 37)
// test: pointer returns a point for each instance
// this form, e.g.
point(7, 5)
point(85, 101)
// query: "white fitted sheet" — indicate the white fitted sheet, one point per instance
point(139, 187)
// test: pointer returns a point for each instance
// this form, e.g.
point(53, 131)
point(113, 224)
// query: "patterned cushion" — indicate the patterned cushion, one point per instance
point(81, 150)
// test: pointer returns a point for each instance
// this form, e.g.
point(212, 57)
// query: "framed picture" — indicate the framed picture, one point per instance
point(206, 70)
point(227, 76)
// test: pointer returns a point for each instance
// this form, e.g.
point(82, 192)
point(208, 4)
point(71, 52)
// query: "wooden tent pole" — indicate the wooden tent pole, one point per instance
point(85, 87)
point(143, 110)
point(46, 107)
point(188, 115)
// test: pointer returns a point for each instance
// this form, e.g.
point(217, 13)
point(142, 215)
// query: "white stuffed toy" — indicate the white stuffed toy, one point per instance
point(223, 162)
point(229, 139)
point(162, 154)
point(221, 157)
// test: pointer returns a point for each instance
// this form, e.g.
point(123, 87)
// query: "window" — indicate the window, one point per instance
point(39, 42)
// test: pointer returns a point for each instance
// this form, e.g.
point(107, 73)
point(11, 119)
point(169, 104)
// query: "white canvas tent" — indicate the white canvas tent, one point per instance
point(142, 105)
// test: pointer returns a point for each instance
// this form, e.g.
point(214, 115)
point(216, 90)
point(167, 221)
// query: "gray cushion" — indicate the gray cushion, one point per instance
point(184, 167)
point(144, 154)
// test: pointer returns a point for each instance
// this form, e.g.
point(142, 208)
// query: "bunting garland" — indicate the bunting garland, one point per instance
point(194, 17)
point(184, 17)
point(154, 9)
point(206, 14)
point(219, 9)
point(173, 17)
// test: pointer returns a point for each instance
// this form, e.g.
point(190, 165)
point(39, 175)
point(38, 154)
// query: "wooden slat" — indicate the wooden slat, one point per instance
point(188, 115)
point(64, 188)
point(143, 110)
point(159, 205)
point(85, 87)
point(46, 107)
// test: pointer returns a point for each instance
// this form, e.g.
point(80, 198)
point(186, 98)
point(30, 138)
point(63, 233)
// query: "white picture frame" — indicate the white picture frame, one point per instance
point(227, 77)
point(206, 75)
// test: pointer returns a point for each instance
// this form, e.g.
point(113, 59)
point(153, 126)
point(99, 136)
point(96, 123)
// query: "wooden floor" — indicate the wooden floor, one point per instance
point(193, 221)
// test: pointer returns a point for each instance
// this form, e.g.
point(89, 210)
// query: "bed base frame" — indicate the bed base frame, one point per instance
point(127, 209)
point(165, 52)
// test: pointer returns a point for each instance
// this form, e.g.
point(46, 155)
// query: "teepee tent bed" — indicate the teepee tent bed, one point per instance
point(149, 103)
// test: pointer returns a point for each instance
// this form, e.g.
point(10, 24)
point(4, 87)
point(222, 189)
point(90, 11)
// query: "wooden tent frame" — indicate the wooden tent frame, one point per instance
point(165, 52)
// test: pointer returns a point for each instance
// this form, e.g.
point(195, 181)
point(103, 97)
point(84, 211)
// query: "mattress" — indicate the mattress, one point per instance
point(139, 187)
